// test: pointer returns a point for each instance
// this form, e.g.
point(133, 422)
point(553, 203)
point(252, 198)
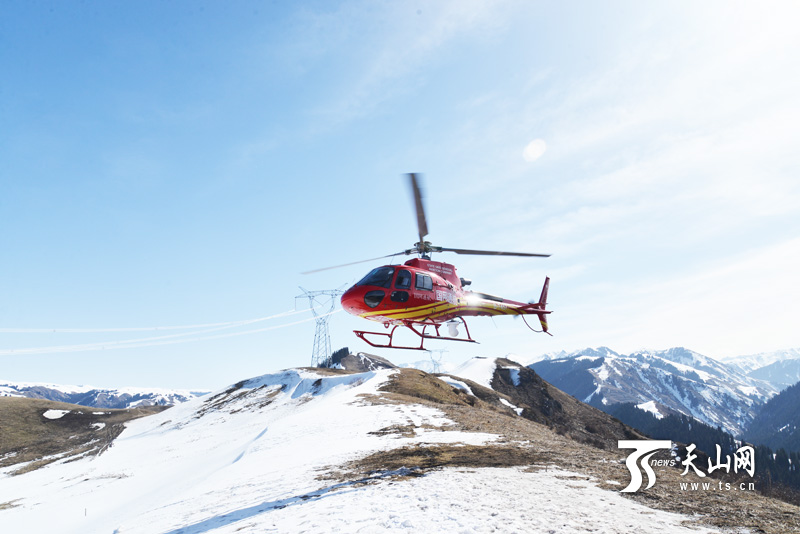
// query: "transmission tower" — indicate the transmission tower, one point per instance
point(322, 304)
point(436, 360)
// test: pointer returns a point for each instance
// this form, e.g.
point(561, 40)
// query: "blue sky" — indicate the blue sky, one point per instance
point(172, 164)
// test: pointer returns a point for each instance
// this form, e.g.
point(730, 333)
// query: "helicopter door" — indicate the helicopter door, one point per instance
point(403, 281)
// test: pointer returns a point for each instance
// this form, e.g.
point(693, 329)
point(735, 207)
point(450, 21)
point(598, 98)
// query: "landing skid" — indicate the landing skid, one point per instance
point(411, 326)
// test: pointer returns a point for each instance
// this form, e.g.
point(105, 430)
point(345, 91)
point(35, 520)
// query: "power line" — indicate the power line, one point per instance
point(140, 329)
point(159, 340)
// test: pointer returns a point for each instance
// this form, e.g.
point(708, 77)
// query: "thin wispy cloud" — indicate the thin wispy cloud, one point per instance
point(407, 39)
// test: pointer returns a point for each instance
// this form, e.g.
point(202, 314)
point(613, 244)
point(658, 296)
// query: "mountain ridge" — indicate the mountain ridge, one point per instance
point(96, 397)
point(676, 379)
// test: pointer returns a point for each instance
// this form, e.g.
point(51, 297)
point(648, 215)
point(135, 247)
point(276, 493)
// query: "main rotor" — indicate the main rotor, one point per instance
point(424, 248)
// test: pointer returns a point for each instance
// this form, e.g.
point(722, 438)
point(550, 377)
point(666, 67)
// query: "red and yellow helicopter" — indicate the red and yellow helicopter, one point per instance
point(423, 293)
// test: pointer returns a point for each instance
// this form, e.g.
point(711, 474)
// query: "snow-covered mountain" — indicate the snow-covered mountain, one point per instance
point(128, 397)
point(779, 368)
point(751, 362)
point(334, 451)
point(676, 379)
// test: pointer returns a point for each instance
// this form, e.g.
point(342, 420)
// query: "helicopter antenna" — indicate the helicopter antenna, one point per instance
point(322, 304)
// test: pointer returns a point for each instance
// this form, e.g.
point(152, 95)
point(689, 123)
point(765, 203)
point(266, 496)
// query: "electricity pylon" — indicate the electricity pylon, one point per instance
point(322, 304)
point(434, 360)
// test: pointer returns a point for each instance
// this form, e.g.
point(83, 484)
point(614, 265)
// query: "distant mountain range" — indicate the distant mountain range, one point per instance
point(726, 394)
point(780, 368)
point(98, 397)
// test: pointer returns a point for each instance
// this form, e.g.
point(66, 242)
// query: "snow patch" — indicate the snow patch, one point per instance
point(518, 410)
point(650, 406)
point(595, 392)
point(55, 414)
point(603, 372)
point(514, 373)
point(456, 383)
point(750, 391)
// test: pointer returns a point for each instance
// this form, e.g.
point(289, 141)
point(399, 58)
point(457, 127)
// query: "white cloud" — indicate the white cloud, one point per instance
point(534, 150)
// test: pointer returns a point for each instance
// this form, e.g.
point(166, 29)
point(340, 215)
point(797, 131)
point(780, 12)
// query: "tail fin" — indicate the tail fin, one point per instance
point(539, 308)
point(543, 304)
point(543, 297)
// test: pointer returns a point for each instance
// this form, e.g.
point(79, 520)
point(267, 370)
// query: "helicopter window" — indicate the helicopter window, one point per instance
point(381, 277)
point(373, 298)
point(424, 282)
point(399, 296)
point(403, 279)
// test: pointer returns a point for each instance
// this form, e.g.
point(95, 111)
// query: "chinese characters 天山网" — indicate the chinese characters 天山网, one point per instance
point(744, 459)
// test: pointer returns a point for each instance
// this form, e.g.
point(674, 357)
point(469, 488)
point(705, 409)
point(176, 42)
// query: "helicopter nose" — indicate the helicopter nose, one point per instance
point(351, 300)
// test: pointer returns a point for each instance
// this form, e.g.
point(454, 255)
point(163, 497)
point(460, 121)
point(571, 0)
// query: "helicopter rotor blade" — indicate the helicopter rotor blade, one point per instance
point(422, 224)
point(357, 262)
point(491, 252)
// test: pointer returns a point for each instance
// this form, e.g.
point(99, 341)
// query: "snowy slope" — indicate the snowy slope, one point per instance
point(254, 458)
point(480, 370)
point(170, 470)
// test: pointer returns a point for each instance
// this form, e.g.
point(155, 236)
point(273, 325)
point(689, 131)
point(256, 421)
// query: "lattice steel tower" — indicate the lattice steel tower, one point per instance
point(436, 361)
point(322, 304)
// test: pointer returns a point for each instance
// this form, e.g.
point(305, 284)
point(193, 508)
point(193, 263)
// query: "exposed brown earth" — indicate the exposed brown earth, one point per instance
point(30, 439)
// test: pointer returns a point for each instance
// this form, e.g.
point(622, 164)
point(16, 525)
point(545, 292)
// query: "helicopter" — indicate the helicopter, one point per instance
point(423, 294)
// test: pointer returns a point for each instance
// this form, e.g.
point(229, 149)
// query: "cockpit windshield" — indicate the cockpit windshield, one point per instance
point(380, 277)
